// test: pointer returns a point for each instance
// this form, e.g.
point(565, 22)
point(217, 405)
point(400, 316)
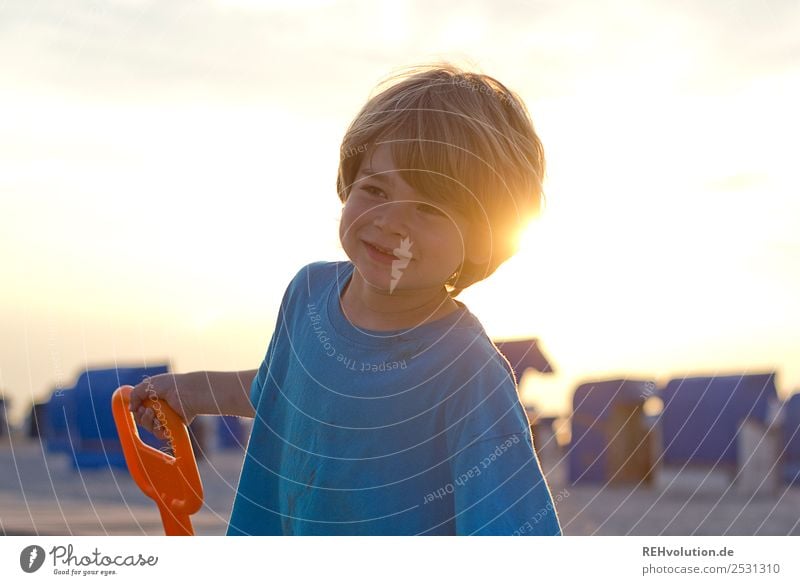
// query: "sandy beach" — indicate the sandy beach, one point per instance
point(40, 494)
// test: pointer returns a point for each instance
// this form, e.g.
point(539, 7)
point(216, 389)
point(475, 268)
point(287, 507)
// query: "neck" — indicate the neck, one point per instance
point(370, 308)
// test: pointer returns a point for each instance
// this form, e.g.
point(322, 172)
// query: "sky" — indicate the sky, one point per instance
point(166, 168)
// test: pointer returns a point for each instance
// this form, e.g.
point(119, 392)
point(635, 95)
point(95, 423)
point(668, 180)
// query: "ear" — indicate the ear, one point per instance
point(479, 247)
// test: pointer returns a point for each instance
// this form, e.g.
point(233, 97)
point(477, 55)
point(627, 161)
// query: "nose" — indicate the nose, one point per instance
point(393, 217)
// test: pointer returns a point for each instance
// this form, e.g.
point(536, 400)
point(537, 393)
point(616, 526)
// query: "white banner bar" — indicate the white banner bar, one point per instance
point(380, 560)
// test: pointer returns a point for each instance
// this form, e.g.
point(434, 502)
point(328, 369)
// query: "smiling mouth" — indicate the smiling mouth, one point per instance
point(397, 253)
point(379, 249)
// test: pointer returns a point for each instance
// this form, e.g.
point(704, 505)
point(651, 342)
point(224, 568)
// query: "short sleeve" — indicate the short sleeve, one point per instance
point(499, 489)
point(260, 379)
point(483, 401)
point(497, 483)
point(257, 385)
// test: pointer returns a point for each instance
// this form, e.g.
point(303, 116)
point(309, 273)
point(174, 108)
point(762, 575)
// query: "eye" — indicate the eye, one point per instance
point(371, 190)
point(430, 209)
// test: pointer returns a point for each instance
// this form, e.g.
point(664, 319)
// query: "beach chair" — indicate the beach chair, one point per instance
point(231, 433)
point(703, 415)
point(611, 442)
point(60, 428)
point(4, 426)
point(790, 441)
point(523, 354)
point(95, 443)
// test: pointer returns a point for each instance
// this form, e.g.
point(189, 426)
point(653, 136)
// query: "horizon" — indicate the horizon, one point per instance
point(157, 197)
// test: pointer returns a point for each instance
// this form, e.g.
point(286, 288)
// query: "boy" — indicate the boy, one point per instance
point(381, 406)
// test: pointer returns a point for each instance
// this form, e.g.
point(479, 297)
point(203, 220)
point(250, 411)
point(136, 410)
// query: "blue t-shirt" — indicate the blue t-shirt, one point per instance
point(407, 432)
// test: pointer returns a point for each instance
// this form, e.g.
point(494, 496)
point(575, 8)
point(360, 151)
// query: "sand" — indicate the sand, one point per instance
point(40, 494)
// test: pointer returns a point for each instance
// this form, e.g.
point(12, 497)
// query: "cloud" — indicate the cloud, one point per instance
point(241, 50)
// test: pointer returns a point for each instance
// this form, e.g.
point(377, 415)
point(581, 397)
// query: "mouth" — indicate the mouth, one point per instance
point(381, 249)
point(384, 253)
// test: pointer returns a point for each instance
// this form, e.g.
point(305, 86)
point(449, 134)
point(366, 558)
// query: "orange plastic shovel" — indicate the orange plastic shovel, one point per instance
point(173, 482)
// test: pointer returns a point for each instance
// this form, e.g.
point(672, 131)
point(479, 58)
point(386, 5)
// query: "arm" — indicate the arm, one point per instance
point(192, 394)
point(223, 393)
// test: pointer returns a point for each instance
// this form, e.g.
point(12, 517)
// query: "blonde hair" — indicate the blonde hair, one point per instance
point(464, 140)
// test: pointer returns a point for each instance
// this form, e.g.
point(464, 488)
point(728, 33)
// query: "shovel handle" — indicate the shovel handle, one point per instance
point(173, 482)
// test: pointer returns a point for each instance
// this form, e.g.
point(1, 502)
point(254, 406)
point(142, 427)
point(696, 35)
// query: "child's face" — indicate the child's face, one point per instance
point(428, 240)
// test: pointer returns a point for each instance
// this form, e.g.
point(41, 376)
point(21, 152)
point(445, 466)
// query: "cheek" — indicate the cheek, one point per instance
point(353, 215)
point(449, 240)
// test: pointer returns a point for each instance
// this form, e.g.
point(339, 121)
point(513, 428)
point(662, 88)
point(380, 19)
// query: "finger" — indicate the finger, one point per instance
point(158, 429)
point(137, 416)
point(138, 395)
point(147, 418)
point(157, 424)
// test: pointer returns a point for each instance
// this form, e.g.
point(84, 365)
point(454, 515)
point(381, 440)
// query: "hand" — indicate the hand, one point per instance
point(172, 389)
